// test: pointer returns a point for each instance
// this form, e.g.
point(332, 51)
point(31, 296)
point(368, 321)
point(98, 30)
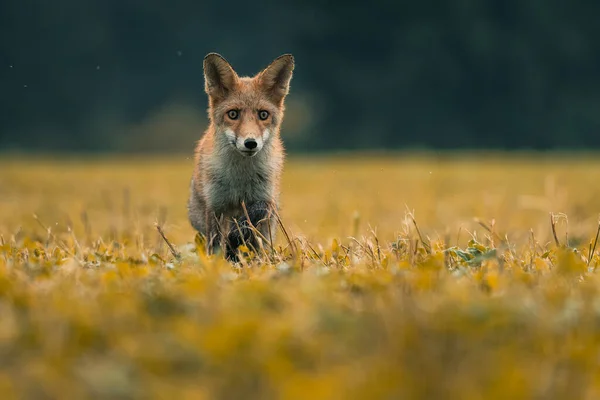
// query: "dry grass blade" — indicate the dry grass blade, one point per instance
point(3, 243)
point(358, 243)
point(426, 244)
point(376, 243)
point(74, 238)
point(593, 248)
point(271, 242)
point(291, 244)
point(491, 230)
point(175, 253)
point(58, 242)
point(553, 225)
point(239, 229)
point(315, 253)
point(257, 232)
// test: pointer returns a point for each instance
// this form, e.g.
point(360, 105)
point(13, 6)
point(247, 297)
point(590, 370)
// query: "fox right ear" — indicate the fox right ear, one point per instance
point(219, 76)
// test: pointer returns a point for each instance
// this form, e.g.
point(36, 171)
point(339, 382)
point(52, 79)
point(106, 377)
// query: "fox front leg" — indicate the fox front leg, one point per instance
point(259, 214)
point(213, 233)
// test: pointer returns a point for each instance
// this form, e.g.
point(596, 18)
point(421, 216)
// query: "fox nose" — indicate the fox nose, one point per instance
point(250, 144)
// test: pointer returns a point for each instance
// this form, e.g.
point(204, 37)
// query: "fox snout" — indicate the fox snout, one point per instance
point(248, 144)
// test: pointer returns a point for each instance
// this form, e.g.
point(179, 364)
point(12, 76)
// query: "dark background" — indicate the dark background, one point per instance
point(126, 75)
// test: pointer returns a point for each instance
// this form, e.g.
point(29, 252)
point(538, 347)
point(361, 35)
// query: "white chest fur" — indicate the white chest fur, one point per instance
point(235, 178)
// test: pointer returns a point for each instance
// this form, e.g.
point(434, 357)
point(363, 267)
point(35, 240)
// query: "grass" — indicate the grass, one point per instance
point(403, 277)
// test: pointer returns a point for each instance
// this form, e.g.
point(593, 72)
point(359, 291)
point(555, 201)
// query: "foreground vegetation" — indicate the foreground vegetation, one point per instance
point(395, 277)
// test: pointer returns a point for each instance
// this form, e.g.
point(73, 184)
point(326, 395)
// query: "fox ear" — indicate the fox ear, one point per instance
point(275, 79)
point(219, 76)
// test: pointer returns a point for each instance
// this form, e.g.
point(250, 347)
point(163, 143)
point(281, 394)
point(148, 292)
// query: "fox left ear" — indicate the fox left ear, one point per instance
point(275, 79)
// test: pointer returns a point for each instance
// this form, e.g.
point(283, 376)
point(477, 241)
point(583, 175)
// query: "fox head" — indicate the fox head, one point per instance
point(246, 111)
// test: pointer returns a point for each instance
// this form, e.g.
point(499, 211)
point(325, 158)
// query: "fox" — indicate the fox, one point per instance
point(238, 161)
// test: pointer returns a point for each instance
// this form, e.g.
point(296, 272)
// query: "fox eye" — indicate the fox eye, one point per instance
point(263, 114)
point(233, 114)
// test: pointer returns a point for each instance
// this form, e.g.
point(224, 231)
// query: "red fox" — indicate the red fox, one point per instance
point(240, 157)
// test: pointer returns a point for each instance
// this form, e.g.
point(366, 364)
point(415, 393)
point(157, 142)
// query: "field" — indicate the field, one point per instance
point(397, 276)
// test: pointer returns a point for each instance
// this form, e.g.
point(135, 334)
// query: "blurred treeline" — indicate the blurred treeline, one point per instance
point(126, 75)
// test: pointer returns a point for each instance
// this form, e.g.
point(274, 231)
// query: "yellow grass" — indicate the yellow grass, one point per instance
point(482, 301)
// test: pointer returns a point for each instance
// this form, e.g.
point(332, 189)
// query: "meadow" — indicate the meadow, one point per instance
point(394, 276)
